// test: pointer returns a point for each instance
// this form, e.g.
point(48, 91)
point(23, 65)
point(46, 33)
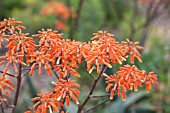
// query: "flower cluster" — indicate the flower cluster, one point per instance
point(105, 50)
point(8, 27)
point(68, 59)
point(18, 44)
point(132, 49)
point(66, 89)
point(45, 51)
point(129, 78)
point(62, 93)
point(61, 11)
point(45, 102)
point(53, 52)
point(4, 85)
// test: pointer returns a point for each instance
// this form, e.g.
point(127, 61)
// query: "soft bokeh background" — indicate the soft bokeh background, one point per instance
point(126, 19)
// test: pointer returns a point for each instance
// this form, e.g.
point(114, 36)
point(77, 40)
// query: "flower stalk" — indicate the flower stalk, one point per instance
point(19, 79)
point(80, 108)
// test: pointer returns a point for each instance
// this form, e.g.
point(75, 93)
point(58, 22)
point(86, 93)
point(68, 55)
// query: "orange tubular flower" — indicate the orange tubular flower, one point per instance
point(66, 89)
point(5, 84)
point(132, 48)
point(18, 45)
point(12, 58)
point(48, 37)
point(68, 58)
point(46, 102)
point(128, 78)
point(20, 42)
point(40, 57)
point(8, 27)
point(47, 50)
point(105, 50)
point(151, 78)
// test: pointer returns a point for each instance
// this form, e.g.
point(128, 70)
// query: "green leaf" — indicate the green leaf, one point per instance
point(120, 106)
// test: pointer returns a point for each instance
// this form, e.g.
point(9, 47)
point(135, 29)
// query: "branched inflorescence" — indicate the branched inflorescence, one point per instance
point(129, 78)
point(62, 57)
point(66, 89)
point(4, 85)
point(45, 102)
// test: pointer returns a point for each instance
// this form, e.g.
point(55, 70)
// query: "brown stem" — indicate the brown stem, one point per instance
point(97, 105)
point(26, 73)
point(55, 73)
point(74, 26)
point(144, 36)
point(150, 16)
point(28, 70)
point(1, 106)
point(62, 107)
point(91, 91)
point(106, 95)
point(70, 17)
point(132, 24)
point(10, 106)
point(19, 78)
point(25, 68)
point(11, 75)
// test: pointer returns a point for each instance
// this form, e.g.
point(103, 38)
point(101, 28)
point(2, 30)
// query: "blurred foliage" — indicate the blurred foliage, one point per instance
point(6, 6)
point(116, 17)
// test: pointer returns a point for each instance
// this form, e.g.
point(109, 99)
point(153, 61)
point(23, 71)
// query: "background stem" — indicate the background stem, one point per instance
point(75, 24)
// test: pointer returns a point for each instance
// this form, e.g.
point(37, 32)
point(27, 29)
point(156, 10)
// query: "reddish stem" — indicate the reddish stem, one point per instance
point(80, 108)
point(97, 105)
point(11, 75)
point(19, 79)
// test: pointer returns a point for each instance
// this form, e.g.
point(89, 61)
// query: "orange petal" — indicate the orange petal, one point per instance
point(67, 101)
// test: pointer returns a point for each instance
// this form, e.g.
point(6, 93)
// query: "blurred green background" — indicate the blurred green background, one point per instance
point(124, 18)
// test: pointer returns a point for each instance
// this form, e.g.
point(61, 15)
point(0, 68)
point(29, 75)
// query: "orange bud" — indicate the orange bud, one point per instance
point(6, 69)
point(2, 62)
point(8, 94)
point(67, 101)
point(148, 86)
point(49, 71)
point(136, 86)
point(118, 91)
point(32, 69)
point(112, 94)
point(123, 95)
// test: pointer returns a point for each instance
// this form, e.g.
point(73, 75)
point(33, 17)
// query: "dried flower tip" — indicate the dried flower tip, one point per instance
point(108, 65)
point(92, 69)
point(94, 42)
point(112, 94)
point(104, 74)
point(77, 102)
point(139, 59)
point(53, 83)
